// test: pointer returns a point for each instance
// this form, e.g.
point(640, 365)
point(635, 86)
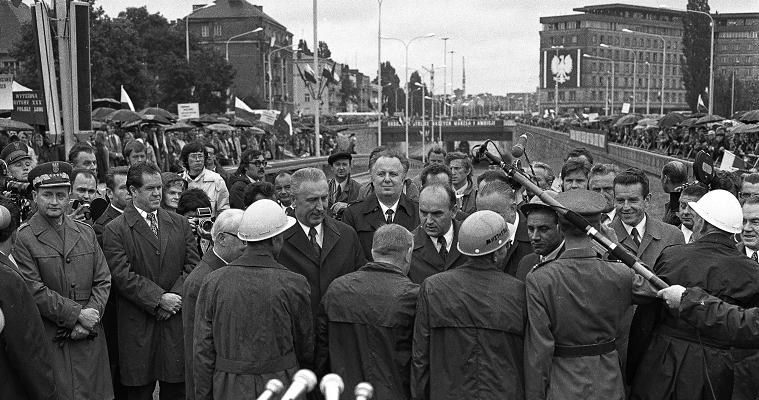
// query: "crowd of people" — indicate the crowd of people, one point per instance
point(440, 285)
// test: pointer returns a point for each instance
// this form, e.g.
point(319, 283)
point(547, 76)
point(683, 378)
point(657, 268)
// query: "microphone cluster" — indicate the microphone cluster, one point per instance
point(304, 381)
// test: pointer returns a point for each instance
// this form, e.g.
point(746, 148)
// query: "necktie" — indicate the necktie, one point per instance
point(605, 220)
point(314, 243)
point(754, 257)
point(389, 216)
point(635, 236)
point(339, 191)
point(153, 224)
point(443, 247)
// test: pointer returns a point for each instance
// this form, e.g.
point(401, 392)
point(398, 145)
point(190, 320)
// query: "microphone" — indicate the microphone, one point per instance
point(274, 386)
point(364, 391)
point(304, 381)
point(518, 150)
point(332, 386)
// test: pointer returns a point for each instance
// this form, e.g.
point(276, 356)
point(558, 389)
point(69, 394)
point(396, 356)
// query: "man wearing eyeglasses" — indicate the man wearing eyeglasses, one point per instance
point(252, 168)
point(196, 174)
point(749, 186)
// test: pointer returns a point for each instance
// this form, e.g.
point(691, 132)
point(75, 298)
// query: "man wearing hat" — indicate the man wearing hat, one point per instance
point(253, 317)
point(19, 163)
point(68, 276)
point(545, 234)
point(680, 362)
point(469, 328)
point(343, 190)
point(570, 345)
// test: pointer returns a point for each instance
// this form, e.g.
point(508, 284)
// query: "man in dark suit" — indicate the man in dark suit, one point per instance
point(545, 233)
point(343, 190)
point(436, 238)
point(116, 189)
point(318, 247)
point(149, 274)
point(500, 197)
point(387, 204)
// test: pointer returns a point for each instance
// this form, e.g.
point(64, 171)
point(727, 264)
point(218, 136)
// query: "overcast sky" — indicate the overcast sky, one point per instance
point(499, 38)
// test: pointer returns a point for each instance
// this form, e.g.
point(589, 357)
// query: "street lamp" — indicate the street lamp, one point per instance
point(556, 86)
point(635, 64)
point(379, 72)
point(271, 52)
point(663, 60)
point(711, 54)
point(453, 88)
point(648, 89)
point(259, 29)
point(424, 120)
point(406, 44)
point(607, 81)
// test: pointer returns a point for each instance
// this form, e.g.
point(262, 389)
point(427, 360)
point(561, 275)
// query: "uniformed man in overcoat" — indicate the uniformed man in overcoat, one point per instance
point(70, 281)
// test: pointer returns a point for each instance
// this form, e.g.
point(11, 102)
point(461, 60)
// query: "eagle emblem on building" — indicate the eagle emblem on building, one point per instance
point(561, 67)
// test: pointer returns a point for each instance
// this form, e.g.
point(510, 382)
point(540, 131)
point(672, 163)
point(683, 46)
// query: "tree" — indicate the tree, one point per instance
point(696, 42)
point(303, 48)
point(390, 89)
point(348, 89)
point(323, 50)
point(415, 99)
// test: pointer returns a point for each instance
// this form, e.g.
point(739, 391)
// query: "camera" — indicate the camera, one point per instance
point(202, 222)
point(75, 204)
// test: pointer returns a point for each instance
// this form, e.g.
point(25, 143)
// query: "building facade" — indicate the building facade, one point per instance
point(303, 94)
point(11, 20)
point(577, 52)
point(263, 59)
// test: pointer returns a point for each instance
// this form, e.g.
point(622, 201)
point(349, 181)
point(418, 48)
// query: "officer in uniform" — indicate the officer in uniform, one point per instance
point(68, 276)
point(570, 345)
point(18, 163)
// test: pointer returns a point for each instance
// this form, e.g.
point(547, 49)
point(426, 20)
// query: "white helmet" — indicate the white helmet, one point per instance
point(262, 220)
point(721, 209)
point(482, 233)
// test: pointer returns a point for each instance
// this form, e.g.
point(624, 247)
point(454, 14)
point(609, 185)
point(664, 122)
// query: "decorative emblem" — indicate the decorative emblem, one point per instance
point(17, 145)
point(56, 167)
point(561, 67)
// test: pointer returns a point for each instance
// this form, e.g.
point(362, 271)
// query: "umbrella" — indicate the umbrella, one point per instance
point(647, 122)
point(106, 102)
point(101, 113)
point(737, 115)
point(748, 128)
point(241, 122)
point(671, 120)
point(751, 116)
point(148, 119)
point(708, 118)
point(158, 111)
point(124, 116)
point(179, 126)
point(98, 126)
point(629, 119)
point(689, 122)
point(220, 128)
point(11, 125)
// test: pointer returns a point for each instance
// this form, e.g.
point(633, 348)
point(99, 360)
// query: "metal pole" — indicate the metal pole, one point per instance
point(732, 95)
point(711, 69)
point(187, 36)
point(648, 89)
point(317, 100)
point(452, 87)
point(424, 120)
point(407, 96)
point(268, 69)
point(607, 93)
point(635, 80)
point(445, 77)
point(613, 79)
point(379, 73)
point(663, 71)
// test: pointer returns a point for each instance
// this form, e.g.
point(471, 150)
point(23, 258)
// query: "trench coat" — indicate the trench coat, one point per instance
point(575, 304)
point(252, 323)
point(365, 328)
point(675, 364)
point(468, 335)
point(718, 318)
point(26, 369)
point(426, 260)
point(366, 216)
point(145, 267)
point(66, 275)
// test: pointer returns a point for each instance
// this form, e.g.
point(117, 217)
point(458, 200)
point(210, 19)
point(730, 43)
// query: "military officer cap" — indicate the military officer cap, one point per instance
point(536, 203)
point(51, 174)
point(339, 156)
point(15, 151)
point(587, 203)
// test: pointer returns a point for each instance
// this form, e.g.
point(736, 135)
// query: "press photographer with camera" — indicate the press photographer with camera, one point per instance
point(14, 182)
point(196, 207)
point(83, 191)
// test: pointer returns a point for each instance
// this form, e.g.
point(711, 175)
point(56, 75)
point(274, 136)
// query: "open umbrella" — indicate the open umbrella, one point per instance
point(750, 116)
point(180, 126)
point(688, 122)
point(220, 128)
point(11, 125)
point(158, 111)
point(241, 122)
point(124, 116)
point(147, 119)
point(106, 102)
point(708, 119)
point(101, 113)
point(746, 129)
point(630, 119)
point(671, 120)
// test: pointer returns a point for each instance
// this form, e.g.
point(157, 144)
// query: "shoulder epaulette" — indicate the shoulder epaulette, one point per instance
point(23, 225)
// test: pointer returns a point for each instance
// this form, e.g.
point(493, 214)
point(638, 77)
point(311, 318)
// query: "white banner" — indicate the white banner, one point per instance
point(268, 117)
point(626, 108)
point(6, 92)
point(188, 110)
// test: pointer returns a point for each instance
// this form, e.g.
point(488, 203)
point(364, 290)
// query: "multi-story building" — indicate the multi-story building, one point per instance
point(303, 94)
point(367, 93)
point(249, 39)
point(11, 19)
point(736, 49)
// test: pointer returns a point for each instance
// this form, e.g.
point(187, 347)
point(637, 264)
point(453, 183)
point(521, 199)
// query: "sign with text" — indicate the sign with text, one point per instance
point(561, 67)
point(268, 117)
point(626, 108)
point(29, 107)
point(188, 110)
point(6, 92)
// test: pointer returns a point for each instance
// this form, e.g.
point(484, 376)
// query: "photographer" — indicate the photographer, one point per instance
point(83, 191)
point(15, 184)
point(196, 207)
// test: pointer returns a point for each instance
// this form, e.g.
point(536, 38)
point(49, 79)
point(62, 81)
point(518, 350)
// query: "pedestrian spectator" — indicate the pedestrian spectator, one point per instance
point(435, 174)
point(435, 156)
point(410, 189)
point(367, 317)
point(149, 274)
point(283, 190)
point(436, 237)
point(254, 309)
point(25, 359)
point(212, 163)
point(343, 190)
point(461, 173)
point(83, 191)
point(258, 191)
point(674, 175)
point(386, 205)
point(252, 168)
point(749, 186)
point(691, 193)
point(750, 233)
point(102, 157)
point(544, 175)
point(545, 233)
point(198, 176)
point(318, 246)
point(135, 152)
point(601, 180)
point(500, 197)
point(68, 277)
point(469, 328)
point(113, 144)
point(226, 248)
point(574, 175)
point(173, 186)
point(82, 155)
point(580, 154)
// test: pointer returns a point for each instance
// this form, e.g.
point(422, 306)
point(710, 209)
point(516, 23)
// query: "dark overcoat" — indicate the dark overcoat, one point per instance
point(145, 267)
point(426, 260)
point(366, 216)
point(520, 248)
point(66, 272)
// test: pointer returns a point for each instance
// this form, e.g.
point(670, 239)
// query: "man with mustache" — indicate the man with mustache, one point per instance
point(252, 169)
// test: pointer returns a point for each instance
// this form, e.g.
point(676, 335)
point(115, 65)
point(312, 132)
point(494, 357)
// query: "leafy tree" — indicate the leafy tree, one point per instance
point(415, 99)
point(348, 89)
point(390, 89)
point(323, 50)
point(303, 48)
point(696, 42)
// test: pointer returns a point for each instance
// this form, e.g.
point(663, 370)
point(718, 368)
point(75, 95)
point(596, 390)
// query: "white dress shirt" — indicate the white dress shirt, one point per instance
point(144, 215)
point(687, 233)
point(394, 207)
point(641, 227)
point(513, 228)
point(448, 240)
point(319, 232)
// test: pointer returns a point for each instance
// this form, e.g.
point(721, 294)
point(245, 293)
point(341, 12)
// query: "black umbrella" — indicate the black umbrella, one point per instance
point(101, 113)
point(158, 111)
point(750, 116)
point(630, 119)
point(671, 120)
point(106, 102)
point(11, 125)
point(709, 119)
point(124, 116)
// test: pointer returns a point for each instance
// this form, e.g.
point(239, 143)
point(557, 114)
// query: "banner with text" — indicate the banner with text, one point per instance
point(188, 110)
point(562, 67)
point(269, 117)
point(29, 107)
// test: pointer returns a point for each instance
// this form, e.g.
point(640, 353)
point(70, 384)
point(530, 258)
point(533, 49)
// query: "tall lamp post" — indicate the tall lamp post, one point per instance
point(271, 53)
point(226, 53)
point(406, 45)
point(607, 81)
point(663, 60)
point(556, 86)
point(453, 88)
point(424, 120)
point(635, 64)
point(648, 89)
point(379, 72)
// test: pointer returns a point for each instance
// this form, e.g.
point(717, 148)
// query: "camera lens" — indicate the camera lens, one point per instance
point(207, 225)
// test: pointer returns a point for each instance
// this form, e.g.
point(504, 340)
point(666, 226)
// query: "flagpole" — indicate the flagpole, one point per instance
point(317, 145)
point(379, 74)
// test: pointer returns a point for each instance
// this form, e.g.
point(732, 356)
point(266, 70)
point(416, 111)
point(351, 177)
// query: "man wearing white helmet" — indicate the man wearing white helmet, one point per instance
point(469, 328)
point(253, 317)
point(680, 362)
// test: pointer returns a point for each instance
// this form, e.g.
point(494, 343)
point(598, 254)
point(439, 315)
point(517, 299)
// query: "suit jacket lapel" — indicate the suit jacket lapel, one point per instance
point(71, 237)
point(46, 233)
point(331, 236)
point(139, 225)
point(298, 239)
point(165, 228)
point(622, 235)
point(652, 233)
point(454, 254)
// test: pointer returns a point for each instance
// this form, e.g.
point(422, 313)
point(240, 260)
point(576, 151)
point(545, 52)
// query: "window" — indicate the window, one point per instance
point(217, 30)
point(306, 97)
point(205, 31)
point(574, 39)
point(572, 95)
